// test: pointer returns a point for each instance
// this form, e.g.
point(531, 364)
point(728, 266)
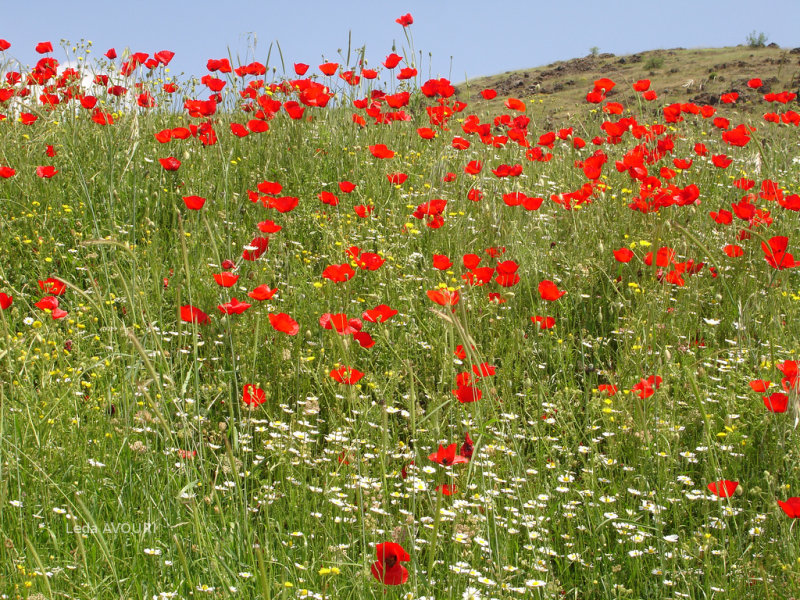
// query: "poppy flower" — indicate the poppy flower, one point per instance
point(405, 20)
point(733, 250)
point(473, 167)
point(544, 322)
point(444, 297)
point(329, 68)
point(46, 172)
point(170, 163)
point(47, 303)
point(284, 323)
point(721, 161)
point(775, 253)
point(488, 94)
point(346, 186)
point(52, 286)
point(7, 172)
point(441, 262)
point(255, 248)
point(262, 293)
point(5, 301)
point(549, 291)
point(234, 307)
point(268, 226)
point(381, 151)
point(44, 47)
point(608, 389)
point(754, 83)
point(379, 314)
point(339, 273)
point(4, 45)
point(397, 178)
point(776, 402)
point(466, 394)
point(346, 375)
point(759, 385)
point(623, 255)
point(226, 279)
point(300, 68)
point(387, 569)
point(392, 61)
point(467, 447)
point(723, 488)
point(194, 202)
point(192, 314)
point(253, 396)
point(328, 198)
point(426, 133)
point(448, 456)
point(284, 204)
point(647, 387)
point(791, 507)
point(363, 211)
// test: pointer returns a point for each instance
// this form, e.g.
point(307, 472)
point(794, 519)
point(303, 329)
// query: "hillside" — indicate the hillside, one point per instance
point(558, 90)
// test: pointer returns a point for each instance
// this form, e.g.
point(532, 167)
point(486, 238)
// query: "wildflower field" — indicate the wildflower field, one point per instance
point(338, 331)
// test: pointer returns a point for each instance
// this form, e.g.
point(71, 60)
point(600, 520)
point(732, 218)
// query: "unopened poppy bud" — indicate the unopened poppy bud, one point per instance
point(307, 334)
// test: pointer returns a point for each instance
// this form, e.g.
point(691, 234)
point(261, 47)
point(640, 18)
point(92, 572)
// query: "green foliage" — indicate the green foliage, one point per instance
point(756, 39)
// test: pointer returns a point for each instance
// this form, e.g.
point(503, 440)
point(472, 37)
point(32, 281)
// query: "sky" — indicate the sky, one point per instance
point(459, 40)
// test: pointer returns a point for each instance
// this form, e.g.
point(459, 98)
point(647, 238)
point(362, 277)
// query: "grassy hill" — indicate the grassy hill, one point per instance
point(678, 75)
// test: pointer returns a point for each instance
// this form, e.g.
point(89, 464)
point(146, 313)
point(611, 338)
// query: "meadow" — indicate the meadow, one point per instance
point(337, 331)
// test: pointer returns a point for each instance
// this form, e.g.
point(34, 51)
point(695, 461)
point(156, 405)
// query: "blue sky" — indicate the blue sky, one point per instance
point(458, 40)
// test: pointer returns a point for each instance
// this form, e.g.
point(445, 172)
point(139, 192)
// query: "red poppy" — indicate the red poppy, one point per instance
point(754, 83)
point(269, 226)
point(775, 253)
point(284, 323)
point(444, 297)
point(721, 161)
point(381, 151)
point(426, 133)
point(328, 198)
point(346, 375)
point(448, 456)
point(379, 314)
point(262, 293)
point(284, 204)
point(791, 507)
point(46, 172)
point(488, 94)
point(346, 186)
point(441, 262)
point(515, 104)
point(623, 255)
point(549, 291)
point(733, 250)
point(544, 322)
point(387, 569)
point(272, 188)
point(255, 248)
point(723, 217)
point(392, 61)
point(647, 387)
point(467, 393)
point(363, 211)
point(723, 488)
point(447, 489)
point(329, 68)
point(170, 163)
point(760, 385)
point(7, 172)
point(226, 279)
point(253, 396)
point(776, 402)
point(4, 45)
point(44, 47)
point(192, 314)
point(194, 202)
point(363, 339)
point(339, 273)
point(609, 389)
point(234, 307)
point(405, 20)
point(473, 167)
point(52, 286)
point(300, 68)
point(5, 301)
point(47, 303)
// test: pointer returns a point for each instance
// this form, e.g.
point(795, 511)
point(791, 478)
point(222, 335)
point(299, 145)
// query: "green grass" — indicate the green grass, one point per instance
point(130, 467)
